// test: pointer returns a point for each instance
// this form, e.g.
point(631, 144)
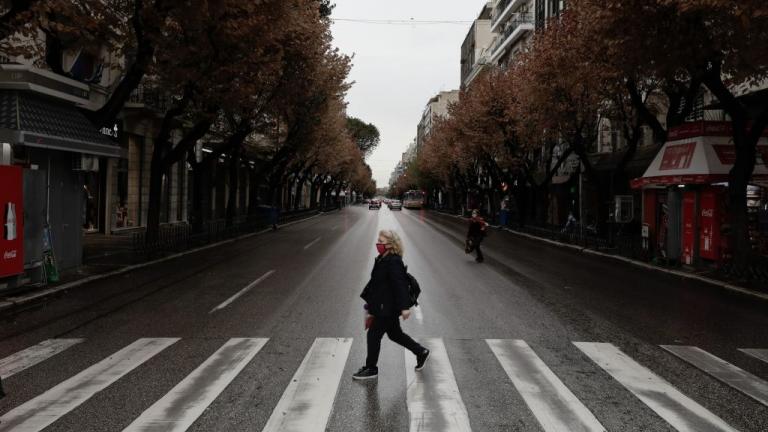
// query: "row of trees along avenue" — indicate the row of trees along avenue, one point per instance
point(256, 81)
point(639, 63)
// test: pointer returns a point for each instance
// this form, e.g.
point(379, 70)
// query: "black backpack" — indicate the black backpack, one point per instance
point(413, 288)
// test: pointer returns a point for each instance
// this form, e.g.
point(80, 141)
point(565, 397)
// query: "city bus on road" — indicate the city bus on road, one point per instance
point(413, 199)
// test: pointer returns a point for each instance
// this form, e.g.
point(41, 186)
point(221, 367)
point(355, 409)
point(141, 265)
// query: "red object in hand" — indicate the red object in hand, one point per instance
point(368, 321)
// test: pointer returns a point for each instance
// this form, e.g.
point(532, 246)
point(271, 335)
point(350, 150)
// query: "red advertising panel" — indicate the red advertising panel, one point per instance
point(677, 156)
point(709, 222)
point(11, 211)
point(689, 226)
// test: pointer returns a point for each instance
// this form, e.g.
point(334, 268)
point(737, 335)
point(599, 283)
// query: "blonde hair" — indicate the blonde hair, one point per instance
point(396, 245)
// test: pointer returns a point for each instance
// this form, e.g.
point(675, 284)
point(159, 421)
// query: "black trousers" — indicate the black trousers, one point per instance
point(390, 326)
point(476, 240)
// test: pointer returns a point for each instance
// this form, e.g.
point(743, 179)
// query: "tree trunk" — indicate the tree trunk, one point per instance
point(253, 191)
point(156, 173)
point(234, 184)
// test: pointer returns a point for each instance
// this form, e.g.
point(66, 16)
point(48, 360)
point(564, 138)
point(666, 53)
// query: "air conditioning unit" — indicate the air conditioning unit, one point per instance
point(85, 163)
point(6, 154)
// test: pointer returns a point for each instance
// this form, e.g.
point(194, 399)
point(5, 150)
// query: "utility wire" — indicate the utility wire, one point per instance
point(400, 21)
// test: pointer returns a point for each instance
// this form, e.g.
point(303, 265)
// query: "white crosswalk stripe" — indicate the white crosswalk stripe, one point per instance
point(45, 409)
point(556, 408)
point(308, 400)
point(33, 355)
point(433, 398)
point(683, 413)
point(760, 354)
point(434, 401)
point(178, 409)
point(735, 377)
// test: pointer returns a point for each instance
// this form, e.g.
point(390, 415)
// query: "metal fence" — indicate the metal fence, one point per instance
point(183, 236)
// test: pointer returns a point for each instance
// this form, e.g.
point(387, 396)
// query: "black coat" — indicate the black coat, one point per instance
point(387, 291)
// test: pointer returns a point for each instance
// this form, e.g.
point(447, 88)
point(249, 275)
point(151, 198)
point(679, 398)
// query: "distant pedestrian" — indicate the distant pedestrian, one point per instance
point(387, 299)
point(477, 230)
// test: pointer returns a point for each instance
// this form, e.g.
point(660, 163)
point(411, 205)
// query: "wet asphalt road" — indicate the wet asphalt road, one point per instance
point(309, 277)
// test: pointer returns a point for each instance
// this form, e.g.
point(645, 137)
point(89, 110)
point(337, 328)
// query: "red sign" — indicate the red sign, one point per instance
point(11, 221)
point(677, 156)
point(704, 128)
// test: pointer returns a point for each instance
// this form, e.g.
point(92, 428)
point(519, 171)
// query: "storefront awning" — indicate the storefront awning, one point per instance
point(699, 156)
point(35, 121)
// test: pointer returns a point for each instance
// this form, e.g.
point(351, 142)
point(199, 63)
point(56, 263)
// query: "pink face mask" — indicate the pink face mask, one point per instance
point(381, 247)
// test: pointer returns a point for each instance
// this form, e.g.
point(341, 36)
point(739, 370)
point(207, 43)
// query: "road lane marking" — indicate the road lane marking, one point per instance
point(735, 377)
point(38, 413)
point(680, 411)
point(312, 243)
point(308, 400)
point(179, 408)
point(335, 227)
point(556, 408)
point(760, 354)
point(433, 398)
point(242, 292)
point(33, 355)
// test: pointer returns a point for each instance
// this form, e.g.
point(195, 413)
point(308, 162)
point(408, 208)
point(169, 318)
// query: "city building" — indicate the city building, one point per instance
point(474, 49)
point(436, 107)
point(66, 158)
point(512, 24)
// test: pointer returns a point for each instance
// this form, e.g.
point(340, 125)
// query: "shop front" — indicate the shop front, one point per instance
point(685, 196)
point(63, 156)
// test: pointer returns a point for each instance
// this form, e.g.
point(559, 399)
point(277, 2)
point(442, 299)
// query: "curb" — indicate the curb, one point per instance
point(20, 301)
point(686, 275)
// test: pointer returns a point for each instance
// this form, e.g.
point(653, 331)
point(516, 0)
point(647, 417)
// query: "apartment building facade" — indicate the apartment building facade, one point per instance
point(474, 49)
point(436, 107)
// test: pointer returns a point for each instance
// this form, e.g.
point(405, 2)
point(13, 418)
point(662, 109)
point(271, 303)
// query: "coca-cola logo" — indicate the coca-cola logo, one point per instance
point(9, 255)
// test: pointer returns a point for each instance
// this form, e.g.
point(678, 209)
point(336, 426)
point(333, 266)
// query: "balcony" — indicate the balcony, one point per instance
point(149, 97)
point(516, 28)
point(503, 10)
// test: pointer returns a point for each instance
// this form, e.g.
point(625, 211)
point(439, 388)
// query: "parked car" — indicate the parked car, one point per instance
point(374, 205)
point(395, 205)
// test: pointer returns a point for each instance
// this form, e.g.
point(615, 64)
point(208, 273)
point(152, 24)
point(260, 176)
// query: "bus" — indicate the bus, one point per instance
point(413, 199)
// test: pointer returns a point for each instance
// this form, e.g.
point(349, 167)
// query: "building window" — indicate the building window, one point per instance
point(541, 14)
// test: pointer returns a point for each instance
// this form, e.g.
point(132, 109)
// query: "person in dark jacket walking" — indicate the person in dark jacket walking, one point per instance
point(386, 297)
point(476, 234)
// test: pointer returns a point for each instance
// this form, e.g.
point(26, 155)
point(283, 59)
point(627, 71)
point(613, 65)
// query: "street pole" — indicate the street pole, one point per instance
point(581, 200)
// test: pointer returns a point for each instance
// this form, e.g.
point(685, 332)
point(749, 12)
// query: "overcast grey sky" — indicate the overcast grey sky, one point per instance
point(397, 68)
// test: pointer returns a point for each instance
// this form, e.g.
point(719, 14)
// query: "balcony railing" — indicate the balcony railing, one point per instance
point(150, 97)
point(500, 8)
point(512, 26)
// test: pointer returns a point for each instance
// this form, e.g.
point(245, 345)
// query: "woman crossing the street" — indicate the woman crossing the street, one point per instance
point(387, 299)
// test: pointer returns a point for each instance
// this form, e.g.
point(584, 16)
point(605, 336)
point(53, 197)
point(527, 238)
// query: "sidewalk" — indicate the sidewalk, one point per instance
point(503, 236)
point(107, 256)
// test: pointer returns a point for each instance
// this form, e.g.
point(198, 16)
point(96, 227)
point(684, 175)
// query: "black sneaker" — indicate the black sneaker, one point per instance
point(421, 359)
point(366, 373)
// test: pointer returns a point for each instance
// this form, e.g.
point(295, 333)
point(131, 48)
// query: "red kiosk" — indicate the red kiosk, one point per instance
point(685, 193)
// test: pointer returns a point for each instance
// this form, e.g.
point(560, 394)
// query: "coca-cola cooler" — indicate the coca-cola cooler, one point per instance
point(689, 227)
point(712, 244)
point(11, 215)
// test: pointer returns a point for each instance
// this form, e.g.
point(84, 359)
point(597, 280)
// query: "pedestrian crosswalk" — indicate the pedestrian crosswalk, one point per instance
point(554, 405)
point(433, 397)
